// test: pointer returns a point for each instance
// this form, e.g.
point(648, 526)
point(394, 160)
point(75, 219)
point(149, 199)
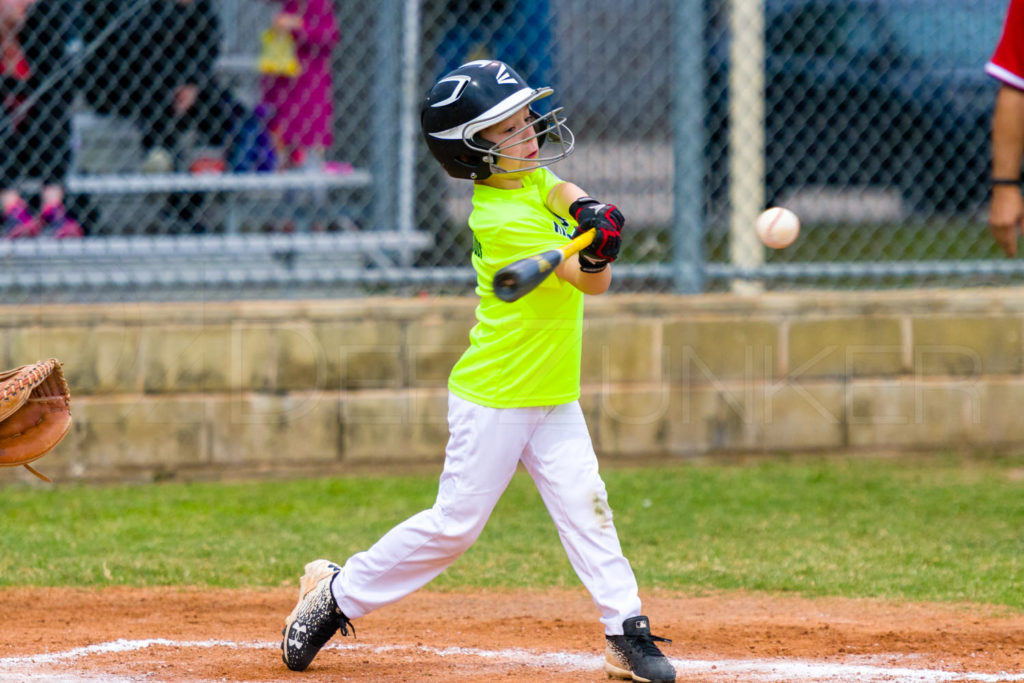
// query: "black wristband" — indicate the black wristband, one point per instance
point(588, 265)
point(1006, 181)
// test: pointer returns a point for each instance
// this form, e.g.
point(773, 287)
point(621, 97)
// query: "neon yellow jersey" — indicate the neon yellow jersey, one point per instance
point(524, 353)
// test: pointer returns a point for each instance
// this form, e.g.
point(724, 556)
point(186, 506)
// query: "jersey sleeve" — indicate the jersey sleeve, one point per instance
point(1007, 62)
point(547, 179)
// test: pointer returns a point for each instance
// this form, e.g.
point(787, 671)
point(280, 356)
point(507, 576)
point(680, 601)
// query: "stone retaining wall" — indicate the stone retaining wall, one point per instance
point(197, 390)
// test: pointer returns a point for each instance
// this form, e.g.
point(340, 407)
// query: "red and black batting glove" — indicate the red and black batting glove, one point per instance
point(607, 222)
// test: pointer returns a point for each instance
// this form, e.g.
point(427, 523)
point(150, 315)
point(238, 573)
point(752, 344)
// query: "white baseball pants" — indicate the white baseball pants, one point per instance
point(484, 447)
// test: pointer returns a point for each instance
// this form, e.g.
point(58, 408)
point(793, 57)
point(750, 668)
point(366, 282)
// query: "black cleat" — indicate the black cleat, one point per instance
point(634, 656)
point(315, 618)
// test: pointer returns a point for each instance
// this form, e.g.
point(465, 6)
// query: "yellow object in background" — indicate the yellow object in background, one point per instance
point(277, 54)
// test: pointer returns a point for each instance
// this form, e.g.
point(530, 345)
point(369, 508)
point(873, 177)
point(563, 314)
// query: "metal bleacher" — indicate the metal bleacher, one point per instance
point(231, 258)
point(198, 265)
point(330, 242)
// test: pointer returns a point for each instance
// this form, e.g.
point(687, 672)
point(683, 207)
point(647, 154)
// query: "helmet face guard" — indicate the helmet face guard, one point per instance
point(476, 96)
point(547, 128)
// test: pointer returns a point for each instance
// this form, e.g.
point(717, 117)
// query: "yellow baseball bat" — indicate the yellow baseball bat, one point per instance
point(521, 277)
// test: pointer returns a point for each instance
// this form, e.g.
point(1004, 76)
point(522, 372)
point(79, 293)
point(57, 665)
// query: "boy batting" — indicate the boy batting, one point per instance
point(514, 393)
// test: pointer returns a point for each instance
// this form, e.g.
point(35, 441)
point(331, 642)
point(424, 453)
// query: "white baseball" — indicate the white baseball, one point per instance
point(777, 227)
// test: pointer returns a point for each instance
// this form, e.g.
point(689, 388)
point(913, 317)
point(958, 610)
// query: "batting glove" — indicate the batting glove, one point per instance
point(606, 220)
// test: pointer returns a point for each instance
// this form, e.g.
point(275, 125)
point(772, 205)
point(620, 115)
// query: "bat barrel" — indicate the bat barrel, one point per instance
point(519, 278)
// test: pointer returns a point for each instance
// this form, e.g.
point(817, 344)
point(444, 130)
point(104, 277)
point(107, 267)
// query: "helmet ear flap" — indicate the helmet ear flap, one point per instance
point(483, 143)
point(476, 165)
point(483, 160)
point(469, 166)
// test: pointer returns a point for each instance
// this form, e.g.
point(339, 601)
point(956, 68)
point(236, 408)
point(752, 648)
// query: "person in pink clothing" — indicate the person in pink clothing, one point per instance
point(302, 107)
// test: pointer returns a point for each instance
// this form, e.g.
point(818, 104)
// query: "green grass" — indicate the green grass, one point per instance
point(911, 239)
point(938, 528)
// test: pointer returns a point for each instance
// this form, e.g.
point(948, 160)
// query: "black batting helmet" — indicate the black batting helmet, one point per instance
point(477, 95)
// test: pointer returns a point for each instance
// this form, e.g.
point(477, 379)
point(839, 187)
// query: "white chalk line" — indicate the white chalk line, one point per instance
point(16, 668)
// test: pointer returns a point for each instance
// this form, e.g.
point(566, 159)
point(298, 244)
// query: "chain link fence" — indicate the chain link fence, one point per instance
point(163, 149)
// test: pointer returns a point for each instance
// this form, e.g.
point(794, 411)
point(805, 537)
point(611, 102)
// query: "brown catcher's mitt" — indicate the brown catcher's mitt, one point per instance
point(35, 413)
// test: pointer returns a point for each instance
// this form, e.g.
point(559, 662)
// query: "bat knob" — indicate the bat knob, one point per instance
point(506, 287)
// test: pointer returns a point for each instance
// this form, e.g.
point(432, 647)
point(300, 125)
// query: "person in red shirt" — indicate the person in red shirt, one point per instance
point(1006, 215)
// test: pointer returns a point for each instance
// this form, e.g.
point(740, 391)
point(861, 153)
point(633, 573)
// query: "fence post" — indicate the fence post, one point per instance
point(687, 146)
point(410, 123)
point(746, 136)
point(385, 88)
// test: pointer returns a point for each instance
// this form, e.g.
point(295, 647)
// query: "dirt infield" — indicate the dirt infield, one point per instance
point(168, 634)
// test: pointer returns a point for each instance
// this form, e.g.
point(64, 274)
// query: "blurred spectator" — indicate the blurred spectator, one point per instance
point(157, 69)
point(35, 117)
point(513, 31)
point(1006, 215)
point(302, 106)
